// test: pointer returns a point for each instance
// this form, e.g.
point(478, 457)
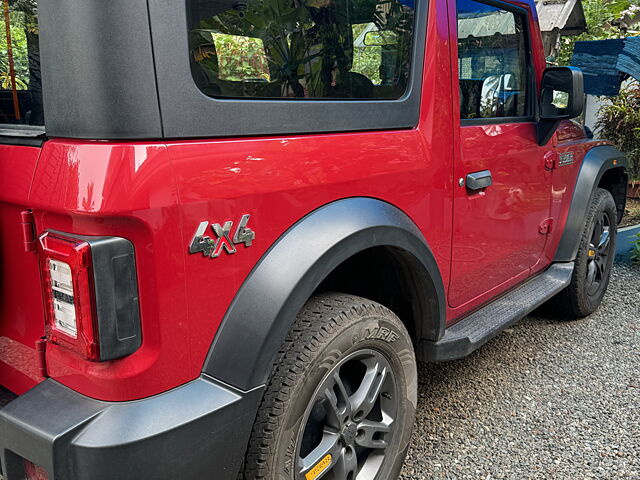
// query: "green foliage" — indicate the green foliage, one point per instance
point(600, 16)
point(635, 251)
point(620, 123)
point(241, 58)
point(366, 60)
point(20, 52)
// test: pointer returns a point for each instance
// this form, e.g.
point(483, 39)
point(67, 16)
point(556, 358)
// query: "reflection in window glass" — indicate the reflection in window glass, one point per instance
point(367, 58)
point(240, 58)
point(20, 85)
point(313, 49)
point(492, 61)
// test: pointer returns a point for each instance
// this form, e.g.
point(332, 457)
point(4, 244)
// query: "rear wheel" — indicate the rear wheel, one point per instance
point(341, 401)
point(594, 259)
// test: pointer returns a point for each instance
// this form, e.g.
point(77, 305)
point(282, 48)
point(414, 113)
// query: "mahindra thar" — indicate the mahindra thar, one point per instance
point(230, 228)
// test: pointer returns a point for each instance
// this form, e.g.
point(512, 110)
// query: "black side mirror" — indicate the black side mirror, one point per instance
point(561, 98)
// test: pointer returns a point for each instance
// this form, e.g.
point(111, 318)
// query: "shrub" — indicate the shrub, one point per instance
point(620, 123)
point(635, 251)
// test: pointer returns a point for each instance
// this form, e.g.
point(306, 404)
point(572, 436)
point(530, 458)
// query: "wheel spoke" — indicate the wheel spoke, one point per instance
point(602, 265)
point(372, 434)
point(338, 399)
point(346, 466)
point(364, 398)
point(329, 445)
point(603, 244)
point(597, 231)
point(591, 271)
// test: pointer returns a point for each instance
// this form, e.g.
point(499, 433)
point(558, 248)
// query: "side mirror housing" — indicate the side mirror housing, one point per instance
point(561, 98)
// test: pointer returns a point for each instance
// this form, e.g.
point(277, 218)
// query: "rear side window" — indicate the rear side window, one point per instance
point(492, 61)
point(20, 83)
point(313, 49)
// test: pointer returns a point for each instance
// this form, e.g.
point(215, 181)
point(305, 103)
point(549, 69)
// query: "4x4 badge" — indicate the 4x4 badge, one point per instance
point(213, 248)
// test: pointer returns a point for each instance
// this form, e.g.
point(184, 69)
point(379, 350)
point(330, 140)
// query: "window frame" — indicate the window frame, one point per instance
point(532, 94)
point(188, 112)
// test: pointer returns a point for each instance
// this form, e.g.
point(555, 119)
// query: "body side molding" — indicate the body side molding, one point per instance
point(596, 163)
point(256, 324)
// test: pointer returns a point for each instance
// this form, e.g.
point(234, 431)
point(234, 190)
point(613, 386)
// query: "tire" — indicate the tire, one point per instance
point(594, 259)
point(339, 348)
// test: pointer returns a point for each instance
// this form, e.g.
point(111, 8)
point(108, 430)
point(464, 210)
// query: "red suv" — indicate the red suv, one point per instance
point(229, 228)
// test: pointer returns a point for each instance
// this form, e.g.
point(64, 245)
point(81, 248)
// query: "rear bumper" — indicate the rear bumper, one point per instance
point(199, 430)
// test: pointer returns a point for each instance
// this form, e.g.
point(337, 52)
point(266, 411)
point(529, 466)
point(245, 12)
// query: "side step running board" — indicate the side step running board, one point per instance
point(481, 326)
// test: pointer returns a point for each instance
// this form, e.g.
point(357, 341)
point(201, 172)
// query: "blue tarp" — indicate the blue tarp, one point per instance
point(604, 63)
point(629, 59)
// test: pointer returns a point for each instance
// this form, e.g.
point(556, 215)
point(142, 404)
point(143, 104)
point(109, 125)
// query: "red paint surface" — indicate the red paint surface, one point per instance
point(496, 231)
point(156, 194)
point(21, 311)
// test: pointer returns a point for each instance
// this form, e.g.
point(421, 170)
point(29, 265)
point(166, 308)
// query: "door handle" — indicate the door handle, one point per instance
point(479, 180)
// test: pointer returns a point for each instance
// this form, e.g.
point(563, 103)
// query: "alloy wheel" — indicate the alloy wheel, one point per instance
point(598, 253)
point(349, 423)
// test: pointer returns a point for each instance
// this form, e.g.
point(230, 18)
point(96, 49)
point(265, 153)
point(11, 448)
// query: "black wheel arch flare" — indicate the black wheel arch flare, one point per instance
point(267, 303)
point(597, 163)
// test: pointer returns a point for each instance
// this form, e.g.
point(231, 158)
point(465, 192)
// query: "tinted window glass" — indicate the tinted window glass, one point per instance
point(492, 61)
point(20, 86)
point(305, 49)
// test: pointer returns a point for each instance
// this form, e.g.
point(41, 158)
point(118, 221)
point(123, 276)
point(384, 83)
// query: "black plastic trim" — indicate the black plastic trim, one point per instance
point(479, 180)
point(116, 295)
point(98, 76)
point(25, 141)
point(594, 165)
point(264, 308)
point(545, 130)
point(198, 430)
point(478, 328)
point(187, 112)
point(547, 126)
point(471, 122)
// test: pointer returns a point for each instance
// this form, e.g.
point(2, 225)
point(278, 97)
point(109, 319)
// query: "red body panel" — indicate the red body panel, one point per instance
point(20, 297)
point(496, 231)
point(569, 138)
point(495, 236)
point(156, 194)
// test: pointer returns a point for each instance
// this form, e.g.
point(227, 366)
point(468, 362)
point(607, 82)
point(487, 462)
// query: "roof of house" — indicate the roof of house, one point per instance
point(564, 15)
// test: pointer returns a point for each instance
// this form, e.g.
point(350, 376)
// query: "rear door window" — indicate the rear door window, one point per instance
point(313, 49)
point(20, 82)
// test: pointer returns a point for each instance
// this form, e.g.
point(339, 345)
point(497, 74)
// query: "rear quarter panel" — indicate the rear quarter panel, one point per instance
point(126, 190)
point(156, 193)
point(21, 321)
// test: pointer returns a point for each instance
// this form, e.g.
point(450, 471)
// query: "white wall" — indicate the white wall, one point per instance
point(593, 104)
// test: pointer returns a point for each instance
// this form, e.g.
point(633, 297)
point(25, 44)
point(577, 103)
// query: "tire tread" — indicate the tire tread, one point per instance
point(573, 299)
point(323, 316)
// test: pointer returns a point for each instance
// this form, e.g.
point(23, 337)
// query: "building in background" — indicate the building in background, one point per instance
point(559, 18)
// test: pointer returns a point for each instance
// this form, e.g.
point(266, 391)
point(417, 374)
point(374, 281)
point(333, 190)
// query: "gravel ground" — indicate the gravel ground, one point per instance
point(548, 399)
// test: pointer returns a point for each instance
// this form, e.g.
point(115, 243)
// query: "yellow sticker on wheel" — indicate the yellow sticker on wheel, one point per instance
point(320, 467)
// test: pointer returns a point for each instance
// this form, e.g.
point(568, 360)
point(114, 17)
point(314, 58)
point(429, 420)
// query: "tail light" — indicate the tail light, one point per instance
point(68, 289)
point(91, 294)
point(34, 472)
